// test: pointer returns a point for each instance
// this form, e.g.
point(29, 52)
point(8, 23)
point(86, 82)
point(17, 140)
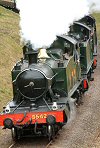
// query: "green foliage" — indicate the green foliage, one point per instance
point(97, 17)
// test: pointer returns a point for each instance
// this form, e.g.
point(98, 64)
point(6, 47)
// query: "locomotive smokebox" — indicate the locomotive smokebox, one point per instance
point(34, 82)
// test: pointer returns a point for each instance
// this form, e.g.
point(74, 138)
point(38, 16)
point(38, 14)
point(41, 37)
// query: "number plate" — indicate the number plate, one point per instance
point(39, 116)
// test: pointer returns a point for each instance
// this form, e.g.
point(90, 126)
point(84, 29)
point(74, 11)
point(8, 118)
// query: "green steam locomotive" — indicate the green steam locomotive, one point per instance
point(47, 82)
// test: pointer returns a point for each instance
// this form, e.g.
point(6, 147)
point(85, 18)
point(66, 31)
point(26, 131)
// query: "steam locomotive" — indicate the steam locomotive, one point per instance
point(47, 81)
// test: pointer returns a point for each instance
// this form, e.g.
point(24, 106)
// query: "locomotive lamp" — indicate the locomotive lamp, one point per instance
point(54, 106)
point(7, 109)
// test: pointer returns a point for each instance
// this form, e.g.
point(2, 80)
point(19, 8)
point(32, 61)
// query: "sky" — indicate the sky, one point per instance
point(42, 20)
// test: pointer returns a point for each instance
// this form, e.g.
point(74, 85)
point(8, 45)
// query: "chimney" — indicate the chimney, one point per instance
point(32, 57)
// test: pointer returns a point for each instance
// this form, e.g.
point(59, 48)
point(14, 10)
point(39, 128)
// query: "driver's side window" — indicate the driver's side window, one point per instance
point(68, 48)
point(76, 54)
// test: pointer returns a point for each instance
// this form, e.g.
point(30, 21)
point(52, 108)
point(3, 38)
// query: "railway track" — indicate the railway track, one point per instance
point(12, 145)
point(42, 142)
point(15, 145)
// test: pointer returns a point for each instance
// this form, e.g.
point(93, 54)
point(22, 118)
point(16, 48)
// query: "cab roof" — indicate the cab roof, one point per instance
point(83, 25)
point(89, 16)
point(68, 38)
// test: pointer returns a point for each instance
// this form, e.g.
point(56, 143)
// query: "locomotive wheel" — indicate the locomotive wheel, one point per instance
point(51, 132)
point(90, 76)
point(14, 132)
point(77, 97)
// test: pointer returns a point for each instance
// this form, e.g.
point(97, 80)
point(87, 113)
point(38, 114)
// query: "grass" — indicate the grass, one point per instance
point(97, 17)
point(10, 50)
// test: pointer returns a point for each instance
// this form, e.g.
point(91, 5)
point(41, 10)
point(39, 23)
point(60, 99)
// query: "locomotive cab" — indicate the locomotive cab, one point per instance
point(80, 31)
point(71, 74)
point(91, 22)
point(86, 45)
